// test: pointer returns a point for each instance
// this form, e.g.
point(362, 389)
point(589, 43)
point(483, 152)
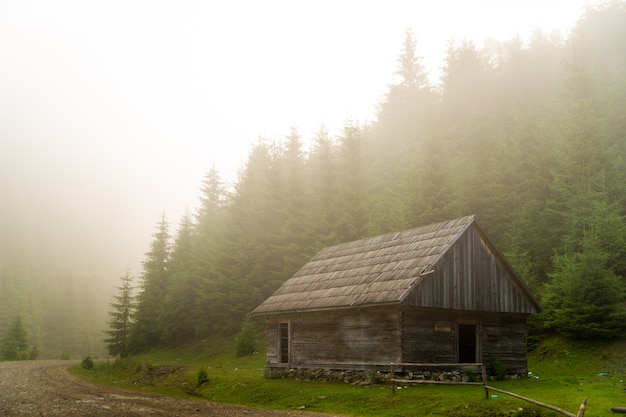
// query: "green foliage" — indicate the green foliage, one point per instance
point(87, 363)
point(498, 369)
point(584, 298)
point(34, 353)
point(179, 319)
point(121, 319)
point(246, 339)
point(146, 330)
point(471, 376)
point(525, 134)
point(15, 345)
point(203, 377)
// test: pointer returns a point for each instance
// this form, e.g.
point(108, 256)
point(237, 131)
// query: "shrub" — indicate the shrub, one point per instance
point(498, 369)
point(15, 345)
point(87, 363)
point(246, 339)
point(471, 375)
point(203, 378)
point(34, 353)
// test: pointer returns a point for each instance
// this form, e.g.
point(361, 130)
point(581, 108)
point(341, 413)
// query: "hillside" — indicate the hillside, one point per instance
point(563, 374)
point(528, 136)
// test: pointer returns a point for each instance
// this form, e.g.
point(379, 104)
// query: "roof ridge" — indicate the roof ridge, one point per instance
point(408, 232)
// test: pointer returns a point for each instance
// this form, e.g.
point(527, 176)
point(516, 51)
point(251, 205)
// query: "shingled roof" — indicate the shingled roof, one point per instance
point(377, 270)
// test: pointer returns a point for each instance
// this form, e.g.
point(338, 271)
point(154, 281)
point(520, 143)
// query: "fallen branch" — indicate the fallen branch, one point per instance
point(581, 411)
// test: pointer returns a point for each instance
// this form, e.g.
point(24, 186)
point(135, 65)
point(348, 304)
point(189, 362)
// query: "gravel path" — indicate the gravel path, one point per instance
point(45, 388)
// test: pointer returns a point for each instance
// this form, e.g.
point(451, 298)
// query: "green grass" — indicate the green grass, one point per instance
point(563, 373)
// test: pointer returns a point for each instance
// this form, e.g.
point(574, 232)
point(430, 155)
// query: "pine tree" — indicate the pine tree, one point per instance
point(321, 180)
point(468, 88)
point(585, 295)
point(180, 316)
point(121, 319)
point(350, 202)
point(147, 331)
point(584, 298)
point(15, 346)
point(295, 241)
point(405, 115)
point(209, 255)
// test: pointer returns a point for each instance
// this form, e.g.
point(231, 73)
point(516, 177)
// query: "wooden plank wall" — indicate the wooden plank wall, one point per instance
point(470, 277)
point(505, 339)
point(430, 336)
point(369, 337)
point(348, 336)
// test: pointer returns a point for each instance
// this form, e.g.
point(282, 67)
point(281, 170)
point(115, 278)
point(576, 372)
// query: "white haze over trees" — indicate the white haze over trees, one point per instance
point(112, 112)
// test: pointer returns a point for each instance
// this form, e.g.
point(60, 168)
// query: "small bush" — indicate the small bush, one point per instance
point(498, 369)
point(203, 378)
point(34, 353)
point(471, 376)
point(246, 339)
point(87, 363)
point(532, 342)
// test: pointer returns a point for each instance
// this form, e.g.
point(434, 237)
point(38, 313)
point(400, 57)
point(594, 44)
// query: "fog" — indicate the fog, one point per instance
point(112, 112)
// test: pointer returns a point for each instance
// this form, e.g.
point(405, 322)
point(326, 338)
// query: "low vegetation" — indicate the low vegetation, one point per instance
point(562, 374)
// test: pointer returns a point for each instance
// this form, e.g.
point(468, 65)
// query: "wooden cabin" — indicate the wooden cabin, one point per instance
point(438, 294)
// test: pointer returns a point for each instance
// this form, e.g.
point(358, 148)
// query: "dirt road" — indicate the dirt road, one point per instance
point(45, 388)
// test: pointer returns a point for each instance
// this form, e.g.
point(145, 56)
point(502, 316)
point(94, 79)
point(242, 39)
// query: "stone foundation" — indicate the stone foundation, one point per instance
point(356, 377)
point(369, 377)
point(363, 377)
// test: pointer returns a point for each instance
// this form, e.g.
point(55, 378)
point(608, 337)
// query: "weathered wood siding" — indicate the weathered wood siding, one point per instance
point(504, 338)
point(271, 339)
point(428, 336)
point(469, 276)
point(431, 336)
point(348, 338)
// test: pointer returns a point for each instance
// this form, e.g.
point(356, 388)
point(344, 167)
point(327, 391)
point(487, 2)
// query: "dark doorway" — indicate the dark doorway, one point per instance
point(467, 343)
point(283, 330)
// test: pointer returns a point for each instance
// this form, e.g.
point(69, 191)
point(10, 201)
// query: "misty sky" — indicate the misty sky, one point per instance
point(111, 112)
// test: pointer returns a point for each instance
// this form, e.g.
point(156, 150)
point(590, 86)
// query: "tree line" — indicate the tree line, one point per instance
point(528, 135)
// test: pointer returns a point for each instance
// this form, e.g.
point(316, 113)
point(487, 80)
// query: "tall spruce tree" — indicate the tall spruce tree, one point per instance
point(180, 313)
point(15, 345)
point(321, 180)
point(405, 115)
point(147, 331)
point(295, 241)
point(121, 319)
point(350, 202)
point(210, 250)
point(584, 299)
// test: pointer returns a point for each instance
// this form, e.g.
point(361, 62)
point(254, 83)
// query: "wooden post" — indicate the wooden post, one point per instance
point(483, 370)
point(393, 378)
point(581, 410)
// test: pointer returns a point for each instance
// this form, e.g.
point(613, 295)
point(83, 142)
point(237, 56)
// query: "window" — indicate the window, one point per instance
point(283, 342)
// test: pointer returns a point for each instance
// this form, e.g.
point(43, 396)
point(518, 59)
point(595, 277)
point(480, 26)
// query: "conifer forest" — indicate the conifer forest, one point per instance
point(529, 135)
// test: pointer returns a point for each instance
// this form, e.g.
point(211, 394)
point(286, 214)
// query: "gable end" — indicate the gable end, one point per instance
point(472, 275)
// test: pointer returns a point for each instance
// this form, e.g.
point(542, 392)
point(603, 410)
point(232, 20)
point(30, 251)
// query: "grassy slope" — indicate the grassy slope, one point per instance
point(563, 374)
